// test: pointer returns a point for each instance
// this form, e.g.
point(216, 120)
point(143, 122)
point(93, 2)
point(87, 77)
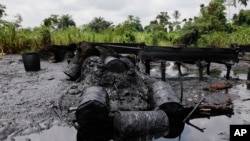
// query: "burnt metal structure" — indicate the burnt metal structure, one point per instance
point(202, 57)
point(241, 48)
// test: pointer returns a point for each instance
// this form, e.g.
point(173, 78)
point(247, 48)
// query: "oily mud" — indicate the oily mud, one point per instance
point(31, 102)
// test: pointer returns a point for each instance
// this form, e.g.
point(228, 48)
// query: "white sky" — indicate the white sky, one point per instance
point(34, 12)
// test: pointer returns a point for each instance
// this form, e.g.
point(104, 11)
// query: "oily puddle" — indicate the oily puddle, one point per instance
point(206, 129)
point(56, 133)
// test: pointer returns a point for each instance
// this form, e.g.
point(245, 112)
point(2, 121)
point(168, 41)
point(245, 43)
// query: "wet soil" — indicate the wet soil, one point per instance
point(32, 102)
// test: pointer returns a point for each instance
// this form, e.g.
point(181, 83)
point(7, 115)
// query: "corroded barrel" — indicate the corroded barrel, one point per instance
point(133, 123)
point(164, 98)
point(93, 110)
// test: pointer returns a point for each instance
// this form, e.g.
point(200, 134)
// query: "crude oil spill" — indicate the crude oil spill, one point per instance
point(56, 133)
point(46, 86)
point(210, 129)
point(217, 128)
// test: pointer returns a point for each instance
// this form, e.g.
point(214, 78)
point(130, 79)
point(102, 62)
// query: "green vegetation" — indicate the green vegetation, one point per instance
point(215, 73)
point(240, 71)
point(210, 28)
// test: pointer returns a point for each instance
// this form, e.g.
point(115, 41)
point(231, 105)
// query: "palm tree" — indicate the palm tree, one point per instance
point(163, 18)
point(65, 21)
point(243, 2)
point(99, 23)
point(2, 10)
point(51, 21)
point(176, 16)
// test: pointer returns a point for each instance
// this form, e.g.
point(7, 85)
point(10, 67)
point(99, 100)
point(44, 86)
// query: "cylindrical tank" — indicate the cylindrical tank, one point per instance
point(73, 69)
point(162, 93)
point(115, 65)
point(164, 98)
point(133, 123)
point(31, 61)
point(93, 111)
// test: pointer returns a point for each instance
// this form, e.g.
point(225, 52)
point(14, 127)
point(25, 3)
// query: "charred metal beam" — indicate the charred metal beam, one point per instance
point(189, 54)
point(225, 56)
point(241, 48)
point(125, 48)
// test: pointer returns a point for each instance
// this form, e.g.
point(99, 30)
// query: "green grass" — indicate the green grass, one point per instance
point(14, 40)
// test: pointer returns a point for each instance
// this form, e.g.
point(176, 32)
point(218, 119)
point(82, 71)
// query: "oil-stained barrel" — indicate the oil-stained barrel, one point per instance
point(115, 65)
point(31, 61)
point(128, 124)
point(162, 93)
point(163, 97)
point(73, 69)
point(93, 110)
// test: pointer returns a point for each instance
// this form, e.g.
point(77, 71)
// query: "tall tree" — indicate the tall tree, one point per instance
point(163, 18)
point(242, 2)
point(65, 21)
point(132, 23)
point(135, 23)
point(176, 16)
point(98, 24)
point(153, 26)
point(51, 21)
point(212, 17)
point(243, 18)
point(59, 22)
point(2, 10)
point(18, 20)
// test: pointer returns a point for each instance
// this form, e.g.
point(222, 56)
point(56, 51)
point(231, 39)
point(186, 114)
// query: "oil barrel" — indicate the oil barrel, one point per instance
point(164, 98)
point(93, 111)
point(31, 61)
point(129, 124)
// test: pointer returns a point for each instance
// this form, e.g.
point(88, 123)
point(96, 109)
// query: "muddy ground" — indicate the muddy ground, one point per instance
point(31, 102)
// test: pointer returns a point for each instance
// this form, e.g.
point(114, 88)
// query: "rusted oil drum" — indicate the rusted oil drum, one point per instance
point(93, 111)
point(31, 61)
point(115, 65)
point(129, 124)
point(164, 98)
point(73, 69)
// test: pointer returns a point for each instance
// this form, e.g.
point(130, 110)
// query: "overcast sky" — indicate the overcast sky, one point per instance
point(34, 12)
